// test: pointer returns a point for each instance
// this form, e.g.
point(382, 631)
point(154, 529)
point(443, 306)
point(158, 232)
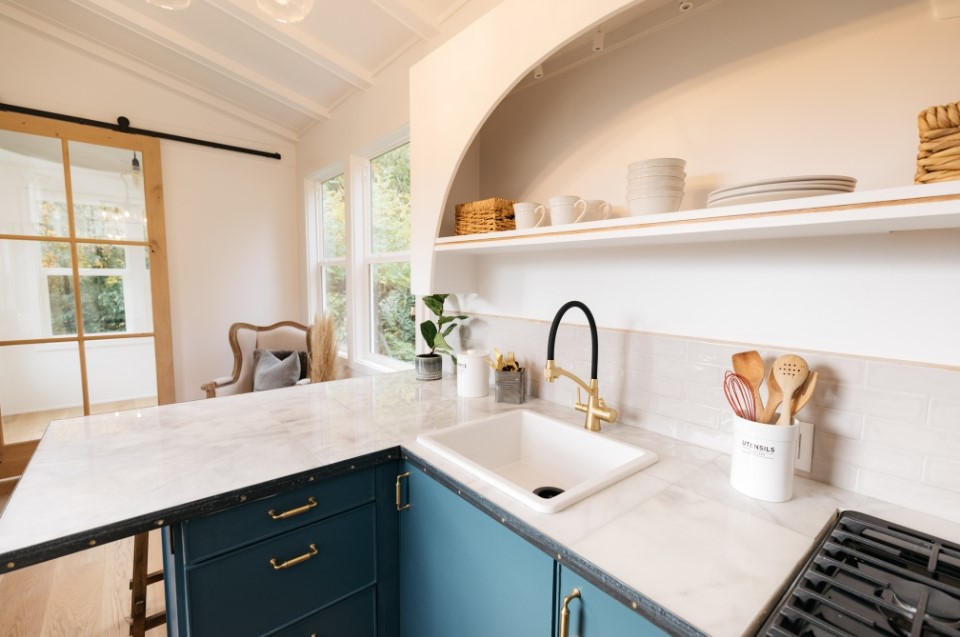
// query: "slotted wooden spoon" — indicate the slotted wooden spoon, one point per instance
point(790, 372)
point(750, 366)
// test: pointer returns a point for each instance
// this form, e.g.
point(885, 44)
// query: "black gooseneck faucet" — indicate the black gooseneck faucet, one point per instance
point(595, 408)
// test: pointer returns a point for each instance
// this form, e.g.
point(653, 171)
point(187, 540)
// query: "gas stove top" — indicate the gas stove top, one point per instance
point(869, 578)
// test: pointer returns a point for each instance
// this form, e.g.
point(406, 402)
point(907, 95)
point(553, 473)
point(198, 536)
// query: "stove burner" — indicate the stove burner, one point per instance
point(870, 578)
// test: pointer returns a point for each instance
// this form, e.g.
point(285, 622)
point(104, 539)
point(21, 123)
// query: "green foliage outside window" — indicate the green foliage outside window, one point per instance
point(393, 302)
point(101, 296)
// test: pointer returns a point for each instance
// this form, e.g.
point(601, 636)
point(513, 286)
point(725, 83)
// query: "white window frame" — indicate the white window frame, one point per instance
point(316, 259)
point(359, 257)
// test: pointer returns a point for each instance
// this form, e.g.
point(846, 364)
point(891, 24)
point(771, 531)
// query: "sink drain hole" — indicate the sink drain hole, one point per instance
point(547, 492)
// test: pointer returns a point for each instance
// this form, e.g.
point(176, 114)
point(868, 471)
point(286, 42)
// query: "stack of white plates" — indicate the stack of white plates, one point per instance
point(655, 185)
point(783, 188)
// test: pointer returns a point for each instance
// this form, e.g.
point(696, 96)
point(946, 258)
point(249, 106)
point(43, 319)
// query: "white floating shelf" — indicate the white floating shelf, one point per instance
point(926, 207)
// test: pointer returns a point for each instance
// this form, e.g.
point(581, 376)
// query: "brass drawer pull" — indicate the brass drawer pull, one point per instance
point(293, 562)
point(398, 495)
point(311, 502)
point(565, 612)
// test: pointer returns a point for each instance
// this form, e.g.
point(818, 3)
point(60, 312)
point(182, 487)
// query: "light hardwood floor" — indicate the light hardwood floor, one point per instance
point(30, 426)
point(84, 594)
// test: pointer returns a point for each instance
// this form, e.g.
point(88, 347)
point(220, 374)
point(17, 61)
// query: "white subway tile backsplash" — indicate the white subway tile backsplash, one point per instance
point(944, 414)
point(884, 429)
point(685, 370)
point(831, 421)
point(911, 494)
point(874, 457)
point(908, 408)
point(942, 473)
point(914, 379)
point(922, 440)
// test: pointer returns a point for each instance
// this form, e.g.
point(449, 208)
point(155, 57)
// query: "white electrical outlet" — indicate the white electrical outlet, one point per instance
point(804, 460)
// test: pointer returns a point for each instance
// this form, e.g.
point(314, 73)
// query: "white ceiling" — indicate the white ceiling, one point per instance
point(229, 54)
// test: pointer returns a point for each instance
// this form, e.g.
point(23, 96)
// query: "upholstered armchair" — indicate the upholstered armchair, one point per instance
point(245, 339)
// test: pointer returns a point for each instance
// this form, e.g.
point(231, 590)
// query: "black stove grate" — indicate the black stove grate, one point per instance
point(871, 578)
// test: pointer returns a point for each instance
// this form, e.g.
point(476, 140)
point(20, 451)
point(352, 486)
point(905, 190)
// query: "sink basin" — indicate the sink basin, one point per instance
point(522, 452)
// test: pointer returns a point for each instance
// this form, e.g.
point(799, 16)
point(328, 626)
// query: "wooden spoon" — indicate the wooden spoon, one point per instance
point(774, 398)
point(805, 393)
point(791, 372)
point(750, 366)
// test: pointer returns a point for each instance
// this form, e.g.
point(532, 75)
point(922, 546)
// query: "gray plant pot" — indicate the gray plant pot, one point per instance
point(428, 366)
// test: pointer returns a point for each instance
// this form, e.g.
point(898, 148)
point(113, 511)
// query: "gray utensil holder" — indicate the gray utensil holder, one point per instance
point(511, 387)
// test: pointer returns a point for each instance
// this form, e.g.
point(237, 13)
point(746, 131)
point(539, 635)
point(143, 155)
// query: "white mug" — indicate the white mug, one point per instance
point(528, 215)
point(597, 209)
point(566, 209)
point(473, 373)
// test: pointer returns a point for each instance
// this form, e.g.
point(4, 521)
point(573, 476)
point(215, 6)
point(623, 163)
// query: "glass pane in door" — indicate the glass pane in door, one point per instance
point(38, 383)
point(114, 289)
point(392, 308)
point(32, 191)
point(36, 290)
point(108, 195)
point(121, 373)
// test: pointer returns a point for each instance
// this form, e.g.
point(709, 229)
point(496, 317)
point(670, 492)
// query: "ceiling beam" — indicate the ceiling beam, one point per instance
point(412, 15)
point(44, 28)
point(142, 25)
point(294, 39)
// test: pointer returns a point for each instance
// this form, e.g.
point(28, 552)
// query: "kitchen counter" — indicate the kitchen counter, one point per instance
point(674, 536)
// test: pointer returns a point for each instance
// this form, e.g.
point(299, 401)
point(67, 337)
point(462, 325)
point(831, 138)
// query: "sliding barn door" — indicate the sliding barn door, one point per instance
point(84, 308)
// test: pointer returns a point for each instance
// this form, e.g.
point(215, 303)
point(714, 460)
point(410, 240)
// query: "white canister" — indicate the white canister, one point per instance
point(762, 459)
point(473, 373)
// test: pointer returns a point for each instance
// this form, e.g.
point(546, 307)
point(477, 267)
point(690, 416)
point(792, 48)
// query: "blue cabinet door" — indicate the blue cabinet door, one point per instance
point(463, 574)
point(596, 614)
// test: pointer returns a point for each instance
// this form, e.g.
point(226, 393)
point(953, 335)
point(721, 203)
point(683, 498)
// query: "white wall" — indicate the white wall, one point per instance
point(748, 89)
point(231, 219)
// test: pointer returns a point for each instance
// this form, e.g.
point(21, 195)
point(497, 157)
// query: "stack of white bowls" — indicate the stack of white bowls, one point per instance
point(655, 185)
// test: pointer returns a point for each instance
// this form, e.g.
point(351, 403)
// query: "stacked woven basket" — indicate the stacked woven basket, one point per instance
point(938, 158)
point(488, 215)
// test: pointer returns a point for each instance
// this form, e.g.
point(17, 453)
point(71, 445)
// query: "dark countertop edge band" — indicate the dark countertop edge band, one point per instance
point(44, 551)
point(623, 593)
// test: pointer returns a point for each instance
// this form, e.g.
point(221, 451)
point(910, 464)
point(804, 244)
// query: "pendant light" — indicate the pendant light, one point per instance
point(289, 11)
point(135, 172)
point(173, 5)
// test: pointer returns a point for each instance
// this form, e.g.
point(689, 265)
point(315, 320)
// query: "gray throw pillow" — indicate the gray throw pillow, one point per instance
point(270, 372)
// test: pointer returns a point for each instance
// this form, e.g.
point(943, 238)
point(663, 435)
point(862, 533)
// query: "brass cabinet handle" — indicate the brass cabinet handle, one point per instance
point(311, 502)
point(297, 560)
point(565, 612)
point(398, 496)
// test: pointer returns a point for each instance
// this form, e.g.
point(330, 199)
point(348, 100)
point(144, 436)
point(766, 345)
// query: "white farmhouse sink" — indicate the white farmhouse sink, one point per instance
point(522, 451)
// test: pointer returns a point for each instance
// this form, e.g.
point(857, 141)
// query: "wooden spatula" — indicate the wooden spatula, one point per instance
point(791, 372)
point(750, 366)
point(774, 398)
point(805, 393)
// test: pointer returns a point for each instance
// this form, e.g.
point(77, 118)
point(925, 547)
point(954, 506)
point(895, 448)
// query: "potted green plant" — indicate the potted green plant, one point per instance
point(430, 366)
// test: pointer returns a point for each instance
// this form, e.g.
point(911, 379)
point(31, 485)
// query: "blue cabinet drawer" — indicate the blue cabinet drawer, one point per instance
point(353, 617)
point(207, 536)
point(254, 590)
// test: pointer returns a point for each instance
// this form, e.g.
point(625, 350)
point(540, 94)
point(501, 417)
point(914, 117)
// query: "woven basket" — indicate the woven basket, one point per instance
point(488, 215)
point(938, 158)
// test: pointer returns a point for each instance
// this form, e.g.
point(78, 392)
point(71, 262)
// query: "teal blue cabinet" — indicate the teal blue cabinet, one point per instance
point(593, 613)
point(318, 560)
point(462, 573)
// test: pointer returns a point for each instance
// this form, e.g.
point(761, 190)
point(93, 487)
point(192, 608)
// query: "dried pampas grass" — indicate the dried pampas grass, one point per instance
point(324, 363)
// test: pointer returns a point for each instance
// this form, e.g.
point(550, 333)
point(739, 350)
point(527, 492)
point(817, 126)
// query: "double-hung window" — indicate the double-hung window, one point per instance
point(360, 255)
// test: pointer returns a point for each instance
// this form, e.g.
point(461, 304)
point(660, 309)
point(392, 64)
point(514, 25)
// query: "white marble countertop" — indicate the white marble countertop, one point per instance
point(676, 532)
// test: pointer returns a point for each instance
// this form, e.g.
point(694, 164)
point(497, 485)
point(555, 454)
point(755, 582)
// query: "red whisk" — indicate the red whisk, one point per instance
point(740, 395)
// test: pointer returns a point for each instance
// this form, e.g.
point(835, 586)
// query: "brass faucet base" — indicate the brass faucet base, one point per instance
point(596, 408)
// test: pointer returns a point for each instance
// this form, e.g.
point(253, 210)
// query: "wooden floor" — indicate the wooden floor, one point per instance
point(30, 426)
point(84, 594)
